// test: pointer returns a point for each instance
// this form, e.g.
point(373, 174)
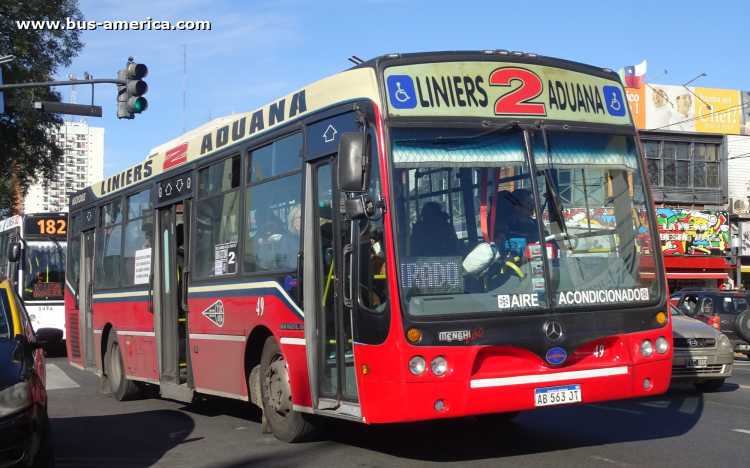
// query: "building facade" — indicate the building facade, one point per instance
point(696, 142)
point(81, 165)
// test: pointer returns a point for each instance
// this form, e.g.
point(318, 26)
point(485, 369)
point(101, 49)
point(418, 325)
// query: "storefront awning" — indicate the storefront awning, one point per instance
point(697, 275)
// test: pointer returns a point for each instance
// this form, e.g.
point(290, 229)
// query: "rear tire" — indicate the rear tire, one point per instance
point(497, 418)
point(286, 424)
point(742, 325)
point(45, 457)
point(709, 386)
point(122, 388)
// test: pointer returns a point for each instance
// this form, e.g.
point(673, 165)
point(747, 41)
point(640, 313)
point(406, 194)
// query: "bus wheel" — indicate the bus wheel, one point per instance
point(122, 388)
point(497, 418)
point(286, 424)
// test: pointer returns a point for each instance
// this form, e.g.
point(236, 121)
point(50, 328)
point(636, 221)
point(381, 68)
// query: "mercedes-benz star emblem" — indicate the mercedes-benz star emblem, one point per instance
point(693, 343)
point(553, 331)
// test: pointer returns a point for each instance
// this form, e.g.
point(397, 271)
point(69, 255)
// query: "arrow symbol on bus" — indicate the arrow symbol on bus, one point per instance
point(332, 131)
point(88, 216)
point(168, 190)
point(178, 185)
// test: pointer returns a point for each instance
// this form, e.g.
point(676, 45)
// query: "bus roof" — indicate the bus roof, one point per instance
point(358, 82)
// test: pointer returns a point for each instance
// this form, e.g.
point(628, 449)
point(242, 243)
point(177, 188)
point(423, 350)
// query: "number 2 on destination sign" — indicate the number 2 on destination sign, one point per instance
point(517, 101)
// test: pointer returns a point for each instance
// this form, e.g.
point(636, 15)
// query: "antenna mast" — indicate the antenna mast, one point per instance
point(184, 83)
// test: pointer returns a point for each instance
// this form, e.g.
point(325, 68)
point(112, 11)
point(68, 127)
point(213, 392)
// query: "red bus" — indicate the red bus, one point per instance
point(422, 236)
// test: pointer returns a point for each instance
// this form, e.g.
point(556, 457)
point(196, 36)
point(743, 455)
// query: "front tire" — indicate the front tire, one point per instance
point(709, 386)
point(286, 424)
point(122, 388)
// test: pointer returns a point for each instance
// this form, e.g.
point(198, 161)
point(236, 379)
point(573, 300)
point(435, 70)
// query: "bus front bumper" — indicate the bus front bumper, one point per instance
point(419, 401)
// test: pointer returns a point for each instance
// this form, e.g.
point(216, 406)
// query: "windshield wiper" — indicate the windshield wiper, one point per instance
point(443, 139)
point(552, 197)
point(59, 250)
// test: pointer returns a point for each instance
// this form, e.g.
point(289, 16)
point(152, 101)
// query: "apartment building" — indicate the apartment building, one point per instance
point(81, 165)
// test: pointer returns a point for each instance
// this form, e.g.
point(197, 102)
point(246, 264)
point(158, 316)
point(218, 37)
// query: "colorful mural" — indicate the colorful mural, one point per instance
point(693, 232)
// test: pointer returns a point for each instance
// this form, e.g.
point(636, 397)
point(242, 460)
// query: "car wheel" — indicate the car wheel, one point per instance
point(45, 457)
point(709, 386)
point(122, 388)
point(742, 325)
point(497, 418)
point(285, 423)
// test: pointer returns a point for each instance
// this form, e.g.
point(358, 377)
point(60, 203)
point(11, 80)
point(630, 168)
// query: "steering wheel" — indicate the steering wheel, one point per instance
point(562, 236)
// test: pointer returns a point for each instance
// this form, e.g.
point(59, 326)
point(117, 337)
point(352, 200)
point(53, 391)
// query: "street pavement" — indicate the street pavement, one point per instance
point(683, 428)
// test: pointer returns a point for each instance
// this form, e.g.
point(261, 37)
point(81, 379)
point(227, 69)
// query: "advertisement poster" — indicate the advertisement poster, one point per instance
point(693, 232)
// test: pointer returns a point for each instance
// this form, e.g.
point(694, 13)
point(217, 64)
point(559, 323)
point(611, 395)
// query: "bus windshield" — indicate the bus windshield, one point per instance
point(44, 271)
point(476, 233)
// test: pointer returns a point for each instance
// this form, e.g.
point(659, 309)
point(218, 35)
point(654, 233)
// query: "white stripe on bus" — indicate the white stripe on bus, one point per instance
point(527, 379)
point(205, 336)
point(298, 341)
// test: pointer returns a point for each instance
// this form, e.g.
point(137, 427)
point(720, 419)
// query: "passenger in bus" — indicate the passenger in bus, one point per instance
point(266, 245)
point(289, 244)
point(433, 235)
point(147, 229)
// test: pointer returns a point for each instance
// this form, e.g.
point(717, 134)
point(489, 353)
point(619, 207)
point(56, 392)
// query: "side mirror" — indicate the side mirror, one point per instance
point(360, 207)
point(14, 252)
point(46, 337)
point(354, 162)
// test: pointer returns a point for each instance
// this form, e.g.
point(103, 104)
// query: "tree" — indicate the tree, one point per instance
point(27, 146)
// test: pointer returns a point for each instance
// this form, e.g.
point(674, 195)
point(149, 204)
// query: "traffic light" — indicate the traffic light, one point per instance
point(130, 100)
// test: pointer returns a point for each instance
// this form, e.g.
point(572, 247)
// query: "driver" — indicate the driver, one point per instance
point(515, 221)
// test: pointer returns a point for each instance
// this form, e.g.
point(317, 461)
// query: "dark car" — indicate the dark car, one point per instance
point(25, 435)
point(726, 311)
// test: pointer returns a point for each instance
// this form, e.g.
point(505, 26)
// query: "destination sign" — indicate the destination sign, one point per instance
point(46, 226)
point(497, 89)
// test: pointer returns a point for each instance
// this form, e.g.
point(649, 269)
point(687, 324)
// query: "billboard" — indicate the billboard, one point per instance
point(693, 232)
point(690, 109)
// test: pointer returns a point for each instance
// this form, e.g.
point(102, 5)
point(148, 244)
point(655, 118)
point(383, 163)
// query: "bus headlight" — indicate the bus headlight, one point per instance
point(647, 348)
point(417, 365)
point(662, 345)
point(439, 365)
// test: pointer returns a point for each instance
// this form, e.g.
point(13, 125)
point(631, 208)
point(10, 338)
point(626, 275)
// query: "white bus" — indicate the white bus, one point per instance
point(32, 253)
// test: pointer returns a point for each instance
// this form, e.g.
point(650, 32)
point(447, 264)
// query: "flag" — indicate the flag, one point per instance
point(632, 76)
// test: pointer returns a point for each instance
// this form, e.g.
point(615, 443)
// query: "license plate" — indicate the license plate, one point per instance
point(696, 363)
point(557, 395)
point(743, 347)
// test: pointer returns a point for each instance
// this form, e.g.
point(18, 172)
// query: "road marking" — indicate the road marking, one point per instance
point(617, 409)
point(608, 460)
point(57, 379)
point(744, 386)
point(745, 431)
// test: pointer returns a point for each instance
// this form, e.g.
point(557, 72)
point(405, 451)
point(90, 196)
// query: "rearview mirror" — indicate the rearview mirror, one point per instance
point(360, 207)
point(14, 252)
point(46, 337)
point(354, 162)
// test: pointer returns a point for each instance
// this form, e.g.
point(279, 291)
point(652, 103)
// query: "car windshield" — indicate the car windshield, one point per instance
point(6, 319)
point(44, 271)
point(477, 233)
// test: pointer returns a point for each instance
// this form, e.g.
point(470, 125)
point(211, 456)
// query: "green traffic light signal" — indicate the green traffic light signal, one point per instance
point(130, 95)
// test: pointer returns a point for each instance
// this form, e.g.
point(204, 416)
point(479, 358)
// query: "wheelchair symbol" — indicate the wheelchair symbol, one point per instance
point(615, 104)
point(400, 92)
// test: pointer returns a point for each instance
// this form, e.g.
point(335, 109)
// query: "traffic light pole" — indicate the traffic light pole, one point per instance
point(48, 84)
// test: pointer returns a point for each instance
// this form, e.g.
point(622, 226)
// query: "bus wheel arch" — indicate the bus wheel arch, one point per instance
point(106, 330)
point(253, 352)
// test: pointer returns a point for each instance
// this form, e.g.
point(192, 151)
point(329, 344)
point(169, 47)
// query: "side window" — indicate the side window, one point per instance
point(690, 302)
point(108, 245)
point(217, 219)
point(373, 286)
point(273, 205)
point(707, 307)
point(139, 230)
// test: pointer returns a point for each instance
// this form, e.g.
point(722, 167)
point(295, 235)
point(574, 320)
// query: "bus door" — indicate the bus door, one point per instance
point(168, 286)
point(334, 370)
point(86, 302)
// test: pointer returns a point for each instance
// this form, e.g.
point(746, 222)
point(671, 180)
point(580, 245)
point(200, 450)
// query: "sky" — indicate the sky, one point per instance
point(258, 51)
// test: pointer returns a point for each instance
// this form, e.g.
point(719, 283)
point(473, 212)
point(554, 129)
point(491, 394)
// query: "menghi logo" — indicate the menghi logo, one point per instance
point(453, 335)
